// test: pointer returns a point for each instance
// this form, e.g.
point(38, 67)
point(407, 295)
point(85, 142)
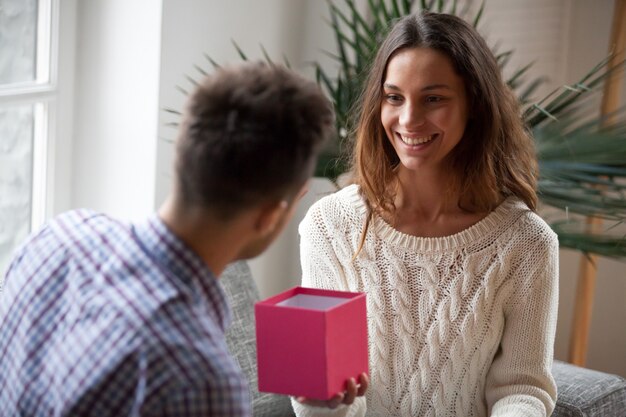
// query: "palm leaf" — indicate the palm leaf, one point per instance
point(575, 235)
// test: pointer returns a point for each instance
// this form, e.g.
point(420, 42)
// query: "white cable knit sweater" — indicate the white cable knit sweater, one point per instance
point(458, 326)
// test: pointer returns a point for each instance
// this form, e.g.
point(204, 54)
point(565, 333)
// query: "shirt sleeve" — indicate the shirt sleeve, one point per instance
point(193, 378)
point(141, 385)
point(228, 398)
point(519, 381)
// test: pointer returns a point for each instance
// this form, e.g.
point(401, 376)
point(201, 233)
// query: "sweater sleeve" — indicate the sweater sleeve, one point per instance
point(519, 382)
point(321, 269)
point(356, 409)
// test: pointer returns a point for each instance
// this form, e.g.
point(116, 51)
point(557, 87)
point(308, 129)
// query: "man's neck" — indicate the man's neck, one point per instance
point(215, 241)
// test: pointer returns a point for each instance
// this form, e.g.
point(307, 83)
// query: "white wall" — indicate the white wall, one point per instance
point(536, 31)
point(60, 160)
point(116, 108)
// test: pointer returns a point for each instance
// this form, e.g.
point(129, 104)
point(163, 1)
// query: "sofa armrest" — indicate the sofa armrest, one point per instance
point(584, 392)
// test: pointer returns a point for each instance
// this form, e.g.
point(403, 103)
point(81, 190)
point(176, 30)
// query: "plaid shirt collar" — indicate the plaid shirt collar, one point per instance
point(186, 269)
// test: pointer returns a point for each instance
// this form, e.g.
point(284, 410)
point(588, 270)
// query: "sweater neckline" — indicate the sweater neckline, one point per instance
point(478, 231)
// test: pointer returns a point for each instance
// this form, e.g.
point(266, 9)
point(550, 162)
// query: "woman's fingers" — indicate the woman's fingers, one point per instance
point(336, 400)
point(364, 382)
point(351, 391)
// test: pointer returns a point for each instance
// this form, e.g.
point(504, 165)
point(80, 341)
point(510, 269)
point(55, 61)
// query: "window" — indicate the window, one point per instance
point(27, 98)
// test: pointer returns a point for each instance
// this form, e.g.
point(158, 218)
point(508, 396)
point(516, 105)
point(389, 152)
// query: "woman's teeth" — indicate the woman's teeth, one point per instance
point(416, 141)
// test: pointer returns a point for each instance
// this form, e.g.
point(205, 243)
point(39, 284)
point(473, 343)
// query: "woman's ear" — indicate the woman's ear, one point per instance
point(270, 217)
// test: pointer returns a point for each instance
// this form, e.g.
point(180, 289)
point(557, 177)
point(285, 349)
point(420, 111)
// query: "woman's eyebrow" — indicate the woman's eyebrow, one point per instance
point(390, 86)
point(436, 87)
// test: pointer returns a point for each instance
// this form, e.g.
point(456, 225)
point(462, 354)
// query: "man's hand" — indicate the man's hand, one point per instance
point(347, 397)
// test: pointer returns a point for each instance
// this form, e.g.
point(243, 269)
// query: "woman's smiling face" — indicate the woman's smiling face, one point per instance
point(424, 107)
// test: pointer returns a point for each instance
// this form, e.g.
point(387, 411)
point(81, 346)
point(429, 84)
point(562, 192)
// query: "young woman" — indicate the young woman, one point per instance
point(439, 229)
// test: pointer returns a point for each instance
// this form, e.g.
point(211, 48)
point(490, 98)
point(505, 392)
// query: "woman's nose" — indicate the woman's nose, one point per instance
point(411, 116)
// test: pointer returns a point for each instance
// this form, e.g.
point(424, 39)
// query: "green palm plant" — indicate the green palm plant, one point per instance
point(582, 161)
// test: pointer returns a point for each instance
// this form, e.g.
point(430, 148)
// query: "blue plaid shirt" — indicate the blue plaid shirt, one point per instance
point(100, 318)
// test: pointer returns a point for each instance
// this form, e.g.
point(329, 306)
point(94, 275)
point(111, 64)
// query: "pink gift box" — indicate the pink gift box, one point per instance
point(311, 341)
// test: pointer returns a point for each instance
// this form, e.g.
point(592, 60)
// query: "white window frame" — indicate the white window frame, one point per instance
point(51, 95)
point(41, 94)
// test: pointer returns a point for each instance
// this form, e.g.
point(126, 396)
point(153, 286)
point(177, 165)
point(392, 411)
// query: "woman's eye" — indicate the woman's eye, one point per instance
point(393, 98)
point(433, 99)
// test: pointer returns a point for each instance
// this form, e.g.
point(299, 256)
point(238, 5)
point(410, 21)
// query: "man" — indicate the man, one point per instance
point(103, 318)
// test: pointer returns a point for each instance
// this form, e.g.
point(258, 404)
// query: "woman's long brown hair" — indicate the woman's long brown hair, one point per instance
point(496, 156)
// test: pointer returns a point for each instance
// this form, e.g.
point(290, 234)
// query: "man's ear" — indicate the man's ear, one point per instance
point(270, 216)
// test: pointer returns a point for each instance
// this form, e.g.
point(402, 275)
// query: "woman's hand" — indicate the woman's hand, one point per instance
point(347, 397)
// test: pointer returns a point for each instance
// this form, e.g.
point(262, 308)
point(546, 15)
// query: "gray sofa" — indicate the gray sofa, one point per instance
point(581, 392)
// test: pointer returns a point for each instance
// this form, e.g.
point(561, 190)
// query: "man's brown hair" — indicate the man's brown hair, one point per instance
point(250, 133)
